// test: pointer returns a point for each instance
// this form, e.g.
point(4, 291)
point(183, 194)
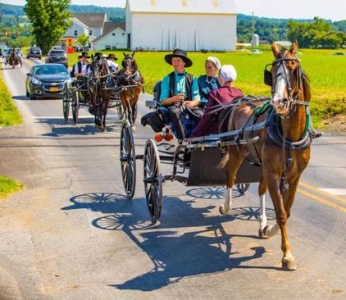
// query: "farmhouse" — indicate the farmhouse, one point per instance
point(102, 34)
point(192, 25)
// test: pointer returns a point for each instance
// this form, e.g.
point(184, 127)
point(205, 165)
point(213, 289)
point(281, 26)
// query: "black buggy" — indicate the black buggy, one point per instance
point(194, 161)
point(76, 94)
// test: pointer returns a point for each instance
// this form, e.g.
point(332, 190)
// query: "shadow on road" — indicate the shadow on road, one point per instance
point(189, 241)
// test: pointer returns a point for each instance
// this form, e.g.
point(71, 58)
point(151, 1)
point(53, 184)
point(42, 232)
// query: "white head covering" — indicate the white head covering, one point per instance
point(228, 73)
point(215, 61)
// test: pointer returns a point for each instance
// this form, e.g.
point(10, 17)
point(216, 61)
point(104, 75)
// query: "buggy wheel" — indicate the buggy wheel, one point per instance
point(120, 111)
point(152, 180)
point(134, 114)
point(243, 187)
point(75, 106)
point(66, 101)
point(128, 160)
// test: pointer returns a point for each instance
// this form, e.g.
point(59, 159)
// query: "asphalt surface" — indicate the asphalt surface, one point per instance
point(71, 234)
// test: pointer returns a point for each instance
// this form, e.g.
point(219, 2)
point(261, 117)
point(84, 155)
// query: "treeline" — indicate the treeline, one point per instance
point(315, 33)
point(12, 15)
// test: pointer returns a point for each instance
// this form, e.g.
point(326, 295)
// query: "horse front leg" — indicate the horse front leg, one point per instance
point(262, 219)
point(288, 261)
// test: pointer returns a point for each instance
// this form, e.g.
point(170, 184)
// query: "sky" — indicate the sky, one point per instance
point(295, 9)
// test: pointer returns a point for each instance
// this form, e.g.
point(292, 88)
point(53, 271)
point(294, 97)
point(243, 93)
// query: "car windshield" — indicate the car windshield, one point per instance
point(46, 70)
point(55, 53)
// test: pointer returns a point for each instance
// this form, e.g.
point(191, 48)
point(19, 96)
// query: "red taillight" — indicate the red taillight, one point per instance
point(158, 137)
point(168, 137)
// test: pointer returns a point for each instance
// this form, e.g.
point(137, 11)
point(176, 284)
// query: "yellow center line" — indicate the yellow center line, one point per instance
point(324, 201)
point(336, 198)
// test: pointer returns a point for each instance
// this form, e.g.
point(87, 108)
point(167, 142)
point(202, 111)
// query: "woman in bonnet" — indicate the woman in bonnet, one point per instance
point(209, 81)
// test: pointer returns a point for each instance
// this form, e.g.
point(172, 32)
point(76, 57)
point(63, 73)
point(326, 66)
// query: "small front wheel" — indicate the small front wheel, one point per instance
point(75, 106)
point(66, 101)
point(242, 187)
point(128, 160)
point(152, 180)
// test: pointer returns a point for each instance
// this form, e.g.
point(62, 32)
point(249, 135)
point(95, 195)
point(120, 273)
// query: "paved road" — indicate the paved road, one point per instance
point(71, 234)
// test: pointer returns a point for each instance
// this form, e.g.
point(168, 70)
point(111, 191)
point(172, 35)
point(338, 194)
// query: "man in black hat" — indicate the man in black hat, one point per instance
point(82, 68)
point(113, 66)
point(180, 94)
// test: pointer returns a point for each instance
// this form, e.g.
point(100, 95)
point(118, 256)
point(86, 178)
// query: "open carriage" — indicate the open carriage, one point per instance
point(13, 59)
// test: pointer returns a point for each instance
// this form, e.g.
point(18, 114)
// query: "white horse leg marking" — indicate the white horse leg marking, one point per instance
point(262, 219)
point(226, 208)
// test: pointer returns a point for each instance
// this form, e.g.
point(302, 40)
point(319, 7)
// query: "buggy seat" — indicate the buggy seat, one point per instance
point(159, 119)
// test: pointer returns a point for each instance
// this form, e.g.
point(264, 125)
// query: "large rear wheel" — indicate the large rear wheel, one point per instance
point(66, 101)
point(128, 160)
point(152, 180)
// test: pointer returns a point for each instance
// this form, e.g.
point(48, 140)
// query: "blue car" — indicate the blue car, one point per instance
point(46, 80)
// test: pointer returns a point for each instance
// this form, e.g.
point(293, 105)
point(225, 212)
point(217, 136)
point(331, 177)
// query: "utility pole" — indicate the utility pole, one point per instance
point(252, 30)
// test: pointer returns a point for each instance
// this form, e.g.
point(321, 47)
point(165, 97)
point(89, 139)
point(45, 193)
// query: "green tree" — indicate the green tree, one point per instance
point(50, 20)
point(83, 40)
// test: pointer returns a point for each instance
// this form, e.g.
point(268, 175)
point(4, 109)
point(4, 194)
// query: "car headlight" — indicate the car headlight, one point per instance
point(35, 80)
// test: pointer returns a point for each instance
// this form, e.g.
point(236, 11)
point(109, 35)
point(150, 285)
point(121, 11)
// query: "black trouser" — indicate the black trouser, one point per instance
point(176, 111)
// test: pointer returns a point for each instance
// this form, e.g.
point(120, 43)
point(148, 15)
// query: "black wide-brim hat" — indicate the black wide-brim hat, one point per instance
point(85, 54)
point(111, 56)
point(179, 53)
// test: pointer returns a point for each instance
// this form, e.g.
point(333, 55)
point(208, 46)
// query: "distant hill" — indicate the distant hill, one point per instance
point(268, 29)
point(115, 14)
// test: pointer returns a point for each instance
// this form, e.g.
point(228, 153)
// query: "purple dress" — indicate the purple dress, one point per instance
point(209, 122)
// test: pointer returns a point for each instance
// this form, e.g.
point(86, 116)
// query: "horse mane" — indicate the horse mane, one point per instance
point(306, 86)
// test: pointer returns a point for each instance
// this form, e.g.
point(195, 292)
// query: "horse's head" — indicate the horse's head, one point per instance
point(129, 65)
point(289, 83)
point(100, 69)
point(130, 74)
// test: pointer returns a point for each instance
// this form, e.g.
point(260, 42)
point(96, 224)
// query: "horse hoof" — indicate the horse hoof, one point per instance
point(224, 211)
point(289, 264)
point(262, 233)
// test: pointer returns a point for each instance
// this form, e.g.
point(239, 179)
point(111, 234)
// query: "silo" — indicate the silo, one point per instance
point(255, 40)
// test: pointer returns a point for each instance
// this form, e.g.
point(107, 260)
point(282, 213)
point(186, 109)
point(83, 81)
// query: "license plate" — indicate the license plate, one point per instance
point(53, 89)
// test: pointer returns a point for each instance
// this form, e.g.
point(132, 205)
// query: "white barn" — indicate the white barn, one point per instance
point(192, 25)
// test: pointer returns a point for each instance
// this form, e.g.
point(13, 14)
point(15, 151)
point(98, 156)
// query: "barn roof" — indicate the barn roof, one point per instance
point(182, 6)
point(92, 20)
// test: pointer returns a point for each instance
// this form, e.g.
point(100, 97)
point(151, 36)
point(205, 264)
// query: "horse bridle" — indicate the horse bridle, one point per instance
point(292, 99)
point(133, 76)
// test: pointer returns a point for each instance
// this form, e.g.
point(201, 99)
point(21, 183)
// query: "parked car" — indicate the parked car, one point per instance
point(46, 80)
point(57, 56)
point(34, 52)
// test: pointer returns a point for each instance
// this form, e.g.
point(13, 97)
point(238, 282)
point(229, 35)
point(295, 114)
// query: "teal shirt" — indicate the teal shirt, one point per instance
point(179, 87)
point(206, 84)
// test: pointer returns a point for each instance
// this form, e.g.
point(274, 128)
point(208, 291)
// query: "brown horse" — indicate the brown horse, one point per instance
point(283, 148)
point(132, 81)
point(100, 87)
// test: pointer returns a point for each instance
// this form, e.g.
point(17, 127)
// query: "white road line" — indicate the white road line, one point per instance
point(79, 117)
point(335, 192)
point(60, 117)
